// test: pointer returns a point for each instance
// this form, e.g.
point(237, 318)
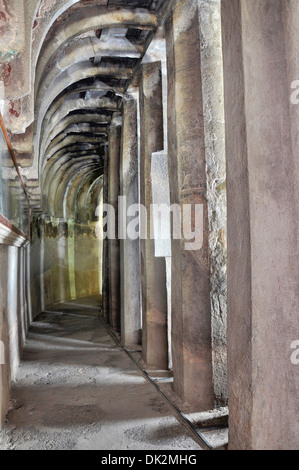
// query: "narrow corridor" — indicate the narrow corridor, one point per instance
point(76, 389)
point(149, 169)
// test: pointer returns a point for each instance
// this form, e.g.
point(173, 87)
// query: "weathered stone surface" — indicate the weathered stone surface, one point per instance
point(262, 183)
point(130, 259)
point(153, 269)
point(15, 316)
point(191, 311)
point(213, 112)
point(12, 29)
point(114, 245)
point(64, 391)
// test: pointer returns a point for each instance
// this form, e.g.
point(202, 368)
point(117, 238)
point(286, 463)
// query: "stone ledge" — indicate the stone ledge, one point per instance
point(11, 235)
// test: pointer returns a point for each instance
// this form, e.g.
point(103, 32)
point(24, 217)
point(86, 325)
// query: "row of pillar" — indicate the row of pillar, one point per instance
point(128, 260)
point(122, 282)
point(262, 202)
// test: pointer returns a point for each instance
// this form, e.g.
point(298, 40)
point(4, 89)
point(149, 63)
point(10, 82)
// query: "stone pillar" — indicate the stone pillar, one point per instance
point(213, 106)
point(191, 313)
point(105, 290)
point(260, 44)
point(60, 271)
point(36, 267)
point(55, 285)
point(130, 261)
point(153, 270)
point(114, 248)
point(5, 286)
point(71, 258)
point(162, 227)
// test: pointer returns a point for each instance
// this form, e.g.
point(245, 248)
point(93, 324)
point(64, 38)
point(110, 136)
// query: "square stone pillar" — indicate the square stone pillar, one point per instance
point(153, 269)
point(191, 312)
point(5, 380)
point(105, 267)
point(162, 227)
point(114, 246)
point(129, 248)
point(260, 46)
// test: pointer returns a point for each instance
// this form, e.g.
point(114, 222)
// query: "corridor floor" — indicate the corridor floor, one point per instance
point(76, 389)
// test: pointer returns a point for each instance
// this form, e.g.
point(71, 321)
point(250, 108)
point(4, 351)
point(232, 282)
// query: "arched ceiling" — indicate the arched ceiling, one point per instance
point(85, 56)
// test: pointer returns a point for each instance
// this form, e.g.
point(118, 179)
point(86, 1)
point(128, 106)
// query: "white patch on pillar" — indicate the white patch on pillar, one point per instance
point(161, 196)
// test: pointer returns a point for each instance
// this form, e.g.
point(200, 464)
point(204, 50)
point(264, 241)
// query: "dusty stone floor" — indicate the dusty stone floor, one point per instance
point(76, 389)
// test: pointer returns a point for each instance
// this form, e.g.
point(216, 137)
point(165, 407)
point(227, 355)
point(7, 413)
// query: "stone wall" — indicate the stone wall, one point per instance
point(66, 261)
point(15, 317)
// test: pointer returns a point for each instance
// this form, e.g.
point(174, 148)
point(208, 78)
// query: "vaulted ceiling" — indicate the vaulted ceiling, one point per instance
point(85, 56)
point(90, 57)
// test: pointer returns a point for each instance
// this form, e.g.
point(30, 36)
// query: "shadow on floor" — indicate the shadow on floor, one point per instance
point(76, 389)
